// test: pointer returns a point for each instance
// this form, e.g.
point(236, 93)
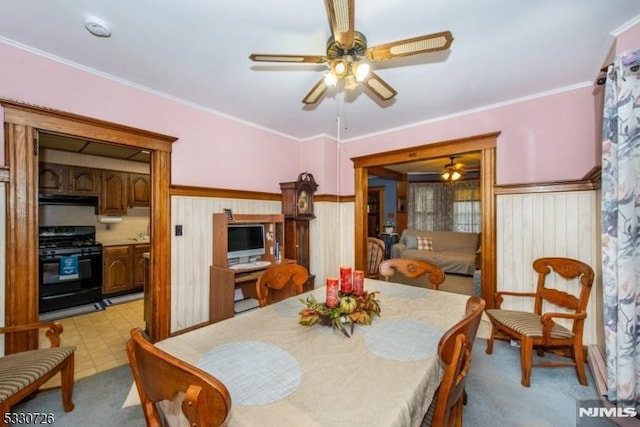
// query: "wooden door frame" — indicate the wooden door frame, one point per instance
point(486, 145)
point(21, 124)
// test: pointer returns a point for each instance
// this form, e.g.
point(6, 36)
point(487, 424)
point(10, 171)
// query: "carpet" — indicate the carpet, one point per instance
point(98, 402)
point(496, 397)
point(70, 312)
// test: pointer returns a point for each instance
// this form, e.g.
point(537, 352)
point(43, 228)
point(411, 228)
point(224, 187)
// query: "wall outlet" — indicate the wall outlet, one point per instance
point(178, 230)
point(515, 343)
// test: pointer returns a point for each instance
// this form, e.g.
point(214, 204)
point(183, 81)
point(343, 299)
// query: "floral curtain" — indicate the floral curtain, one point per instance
point(621, 229)
point(445, 207)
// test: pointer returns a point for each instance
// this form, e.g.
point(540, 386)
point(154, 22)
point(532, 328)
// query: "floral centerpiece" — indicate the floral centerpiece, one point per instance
point(351, 309)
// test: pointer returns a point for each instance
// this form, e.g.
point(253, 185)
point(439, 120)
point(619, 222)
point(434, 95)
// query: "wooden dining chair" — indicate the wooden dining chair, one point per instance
point(412, 269)
point(279, 282)
point(160, 376)
point(537, 329)
point(375, 255)
point(454, 349)
point(23, 373)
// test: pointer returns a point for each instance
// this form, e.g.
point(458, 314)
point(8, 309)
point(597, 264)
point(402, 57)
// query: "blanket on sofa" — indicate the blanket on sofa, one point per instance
point(452, 251)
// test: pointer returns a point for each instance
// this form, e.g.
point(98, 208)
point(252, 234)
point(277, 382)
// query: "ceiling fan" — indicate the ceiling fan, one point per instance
point(452, 171)
point(348, 55)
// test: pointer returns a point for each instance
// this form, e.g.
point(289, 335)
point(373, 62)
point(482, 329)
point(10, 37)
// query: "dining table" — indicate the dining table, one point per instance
point(281, 373)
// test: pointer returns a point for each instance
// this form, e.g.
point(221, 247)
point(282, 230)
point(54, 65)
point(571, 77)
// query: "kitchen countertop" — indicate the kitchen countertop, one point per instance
point(122, 241)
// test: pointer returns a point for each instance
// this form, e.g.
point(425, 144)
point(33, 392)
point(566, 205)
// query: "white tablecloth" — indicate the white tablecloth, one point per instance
point(384, 375)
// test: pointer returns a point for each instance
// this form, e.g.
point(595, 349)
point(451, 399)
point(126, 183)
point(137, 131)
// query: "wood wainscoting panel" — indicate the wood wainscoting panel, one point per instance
point(191, 253)
point(531, 226)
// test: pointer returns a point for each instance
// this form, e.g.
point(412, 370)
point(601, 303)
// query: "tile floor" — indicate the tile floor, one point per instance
point(99, 338)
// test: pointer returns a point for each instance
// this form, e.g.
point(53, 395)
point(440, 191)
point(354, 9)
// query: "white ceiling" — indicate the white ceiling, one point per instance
point(198, 51)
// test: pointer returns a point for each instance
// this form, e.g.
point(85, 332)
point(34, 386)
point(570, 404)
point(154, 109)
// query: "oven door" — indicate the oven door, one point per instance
point(62, 287)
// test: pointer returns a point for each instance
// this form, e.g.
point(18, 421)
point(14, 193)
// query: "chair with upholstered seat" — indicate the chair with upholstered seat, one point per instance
point(279, 282)
point(454, 350)
point(375, 255)
point(538, 329)
point(412, 269)
point(23, 373)
point(160, 376)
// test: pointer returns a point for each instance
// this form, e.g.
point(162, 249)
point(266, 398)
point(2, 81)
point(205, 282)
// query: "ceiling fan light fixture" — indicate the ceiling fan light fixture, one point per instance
point(339, 68)
point(451, 172)
point(361, 70)
point(330, 79)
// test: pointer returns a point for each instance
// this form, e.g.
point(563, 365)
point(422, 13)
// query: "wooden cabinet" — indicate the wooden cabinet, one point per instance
point(84, 181)
point(116, 271)
point(52, 178)
point(123, 268)
point(114, 193)
point(138, 265)
point(65, 179)
point(296, 247)
point(223, 281)
point(117, 190)
point(139, 189)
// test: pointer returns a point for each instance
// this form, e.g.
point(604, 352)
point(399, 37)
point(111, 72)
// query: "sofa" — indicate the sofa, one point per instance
point(453, 251)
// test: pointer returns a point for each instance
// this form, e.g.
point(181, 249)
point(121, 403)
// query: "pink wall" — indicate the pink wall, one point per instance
point(543, 139)
point(553, 137)
point(206, 141)
point(629, 40)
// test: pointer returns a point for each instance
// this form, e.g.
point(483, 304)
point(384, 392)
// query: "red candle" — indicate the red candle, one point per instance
point(332, 292)
point(358, 282)
point(346, 283)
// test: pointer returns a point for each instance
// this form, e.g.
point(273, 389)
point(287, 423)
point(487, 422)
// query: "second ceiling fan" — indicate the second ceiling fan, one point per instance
point(348, 55)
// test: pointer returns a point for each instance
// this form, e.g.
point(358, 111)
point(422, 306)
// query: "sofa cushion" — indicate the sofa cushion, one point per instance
point(425, 243)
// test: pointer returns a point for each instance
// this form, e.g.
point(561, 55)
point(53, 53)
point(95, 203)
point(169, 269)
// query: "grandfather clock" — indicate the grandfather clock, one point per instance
point(297, 207)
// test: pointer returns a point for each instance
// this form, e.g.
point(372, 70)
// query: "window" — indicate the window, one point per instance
point(445, 207)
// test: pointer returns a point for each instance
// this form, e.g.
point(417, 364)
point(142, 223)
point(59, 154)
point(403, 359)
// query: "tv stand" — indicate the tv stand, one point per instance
point(226, 276)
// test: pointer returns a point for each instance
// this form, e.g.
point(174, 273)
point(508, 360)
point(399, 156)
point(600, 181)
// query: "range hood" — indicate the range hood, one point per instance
point(67, 199)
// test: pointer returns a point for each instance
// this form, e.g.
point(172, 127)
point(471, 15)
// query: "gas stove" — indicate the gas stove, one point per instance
point(67, 240)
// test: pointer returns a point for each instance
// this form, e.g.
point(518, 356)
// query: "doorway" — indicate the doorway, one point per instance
point(485, 145)
point(22, 123)
point(375, 211)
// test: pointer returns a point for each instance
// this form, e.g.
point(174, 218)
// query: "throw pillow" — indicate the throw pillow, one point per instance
point(425, 243)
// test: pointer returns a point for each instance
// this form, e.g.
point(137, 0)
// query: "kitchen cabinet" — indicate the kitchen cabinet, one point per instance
point(117, 190)
point(123, 268)
point(114, 193)
point(116, 271)
point(138, 265)
point(83, 181)
point(52, 178)
point(139, 189)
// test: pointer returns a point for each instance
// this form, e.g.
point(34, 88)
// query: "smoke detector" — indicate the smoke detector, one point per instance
point(97, 27)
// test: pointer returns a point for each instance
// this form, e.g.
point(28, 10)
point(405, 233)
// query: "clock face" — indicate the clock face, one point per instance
point(303, 202)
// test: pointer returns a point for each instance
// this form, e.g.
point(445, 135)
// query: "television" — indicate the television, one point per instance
point(245, 242)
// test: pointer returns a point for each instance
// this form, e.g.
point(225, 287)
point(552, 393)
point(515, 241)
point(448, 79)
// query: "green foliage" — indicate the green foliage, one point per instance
point(367, 306)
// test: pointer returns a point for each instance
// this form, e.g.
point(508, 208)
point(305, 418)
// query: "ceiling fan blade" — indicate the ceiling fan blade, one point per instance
point(379, 87)
point(314, 59)
point(341, 19)
point(413, 46)
point(315, 93)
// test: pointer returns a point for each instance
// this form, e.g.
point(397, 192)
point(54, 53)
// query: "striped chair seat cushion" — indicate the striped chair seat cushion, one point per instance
point(19, 370)
point(525, 323)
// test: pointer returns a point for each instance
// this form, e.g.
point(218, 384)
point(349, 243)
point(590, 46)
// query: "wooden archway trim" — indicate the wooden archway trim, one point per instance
point(21, 123)
point(486, 145)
